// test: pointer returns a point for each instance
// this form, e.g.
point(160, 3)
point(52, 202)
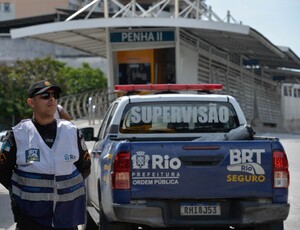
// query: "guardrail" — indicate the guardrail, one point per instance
point(90, 105)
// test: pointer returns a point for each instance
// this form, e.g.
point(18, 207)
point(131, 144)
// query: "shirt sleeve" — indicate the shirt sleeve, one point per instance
point(84, 162)
point(7, 159)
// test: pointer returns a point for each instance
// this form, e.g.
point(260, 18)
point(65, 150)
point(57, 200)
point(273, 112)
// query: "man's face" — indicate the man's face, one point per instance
point(44, 104)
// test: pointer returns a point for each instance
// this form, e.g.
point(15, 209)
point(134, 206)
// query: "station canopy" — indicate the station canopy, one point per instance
point(87, 32)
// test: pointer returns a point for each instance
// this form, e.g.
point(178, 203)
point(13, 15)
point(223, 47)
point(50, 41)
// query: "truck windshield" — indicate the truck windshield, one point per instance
point(178, 117)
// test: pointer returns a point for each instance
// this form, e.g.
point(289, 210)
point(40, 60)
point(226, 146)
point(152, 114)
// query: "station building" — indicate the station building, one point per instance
point(182, 41)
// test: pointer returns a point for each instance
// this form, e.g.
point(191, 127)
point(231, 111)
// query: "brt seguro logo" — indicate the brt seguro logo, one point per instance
point(247, 165)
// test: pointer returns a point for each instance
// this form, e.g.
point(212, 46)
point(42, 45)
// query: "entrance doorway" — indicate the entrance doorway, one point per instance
point(146, 66)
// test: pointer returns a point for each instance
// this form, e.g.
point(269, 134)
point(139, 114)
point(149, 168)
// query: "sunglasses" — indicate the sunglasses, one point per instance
point(47, 95)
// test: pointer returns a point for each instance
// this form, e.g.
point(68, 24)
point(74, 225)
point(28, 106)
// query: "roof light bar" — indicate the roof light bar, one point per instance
point(168, 87)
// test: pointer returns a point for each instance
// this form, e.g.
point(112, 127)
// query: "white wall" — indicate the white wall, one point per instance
point(188, 70)
point(290, 106)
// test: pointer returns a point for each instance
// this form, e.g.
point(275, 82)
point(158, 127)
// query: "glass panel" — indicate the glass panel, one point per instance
point(178, 117)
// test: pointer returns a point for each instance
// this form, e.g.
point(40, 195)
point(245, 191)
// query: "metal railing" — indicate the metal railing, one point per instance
point(90, 105)
point(196, 9)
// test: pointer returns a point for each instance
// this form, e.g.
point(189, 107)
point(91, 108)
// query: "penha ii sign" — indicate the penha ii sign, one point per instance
point(141, 36)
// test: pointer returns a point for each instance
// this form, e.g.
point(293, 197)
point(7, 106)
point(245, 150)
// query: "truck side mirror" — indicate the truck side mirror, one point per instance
point(88, 134)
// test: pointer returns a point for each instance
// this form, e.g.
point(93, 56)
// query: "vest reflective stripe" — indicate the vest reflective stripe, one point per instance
point(71, 196)
point(71, 182)
point(47, 186)
point(34, 175)
point(32, 196)
point(69, 189)
point(35, 186)
point(47, 196)
point(65, 182)
point(34, 189)
point(32, 182)
point(77, 179)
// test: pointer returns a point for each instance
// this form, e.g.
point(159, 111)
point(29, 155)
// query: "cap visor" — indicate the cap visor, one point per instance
point(55, 88)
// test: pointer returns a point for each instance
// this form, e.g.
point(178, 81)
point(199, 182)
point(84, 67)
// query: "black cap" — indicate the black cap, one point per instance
point(40, 87)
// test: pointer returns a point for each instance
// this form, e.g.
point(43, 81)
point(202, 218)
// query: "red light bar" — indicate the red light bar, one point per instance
point(167, 87)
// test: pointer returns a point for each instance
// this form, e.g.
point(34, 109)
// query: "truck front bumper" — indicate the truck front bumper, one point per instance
point(166, 214)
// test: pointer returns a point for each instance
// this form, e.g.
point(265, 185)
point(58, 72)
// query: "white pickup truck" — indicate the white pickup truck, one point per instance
point(173, 159)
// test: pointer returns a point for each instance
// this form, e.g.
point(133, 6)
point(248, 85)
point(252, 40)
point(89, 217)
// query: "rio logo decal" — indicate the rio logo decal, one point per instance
point(141, 161)
point(155, 169)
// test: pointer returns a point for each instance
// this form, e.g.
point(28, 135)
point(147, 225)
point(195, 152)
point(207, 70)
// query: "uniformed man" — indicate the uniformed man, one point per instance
point(43, 164)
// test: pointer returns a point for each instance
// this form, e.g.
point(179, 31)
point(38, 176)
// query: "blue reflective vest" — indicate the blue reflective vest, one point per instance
point(46, 185)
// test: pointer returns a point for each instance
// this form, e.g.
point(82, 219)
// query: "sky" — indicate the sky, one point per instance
point(277, 20)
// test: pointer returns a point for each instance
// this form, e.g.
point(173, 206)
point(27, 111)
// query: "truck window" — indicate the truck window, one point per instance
point(106, 121)
point(178, 117)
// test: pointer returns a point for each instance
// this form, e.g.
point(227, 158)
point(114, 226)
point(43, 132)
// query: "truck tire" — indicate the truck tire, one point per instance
point(271, 226)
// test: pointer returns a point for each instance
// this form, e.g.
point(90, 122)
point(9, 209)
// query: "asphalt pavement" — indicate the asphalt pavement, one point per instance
point(6, 217)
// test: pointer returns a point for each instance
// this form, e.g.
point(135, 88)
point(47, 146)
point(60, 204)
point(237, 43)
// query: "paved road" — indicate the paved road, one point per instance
point(6, 219)
point(292, 147)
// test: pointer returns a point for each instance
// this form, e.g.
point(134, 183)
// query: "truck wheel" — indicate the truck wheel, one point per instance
point(105, 225)
point(271, 226)
point(90, 224)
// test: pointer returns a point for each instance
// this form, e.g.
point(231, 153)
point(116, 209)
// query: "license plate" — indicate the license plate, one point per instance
point(200, 209)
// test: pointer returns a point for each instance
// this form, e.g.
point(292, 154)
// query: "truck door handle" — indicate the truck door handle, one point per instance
point(201, 160)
